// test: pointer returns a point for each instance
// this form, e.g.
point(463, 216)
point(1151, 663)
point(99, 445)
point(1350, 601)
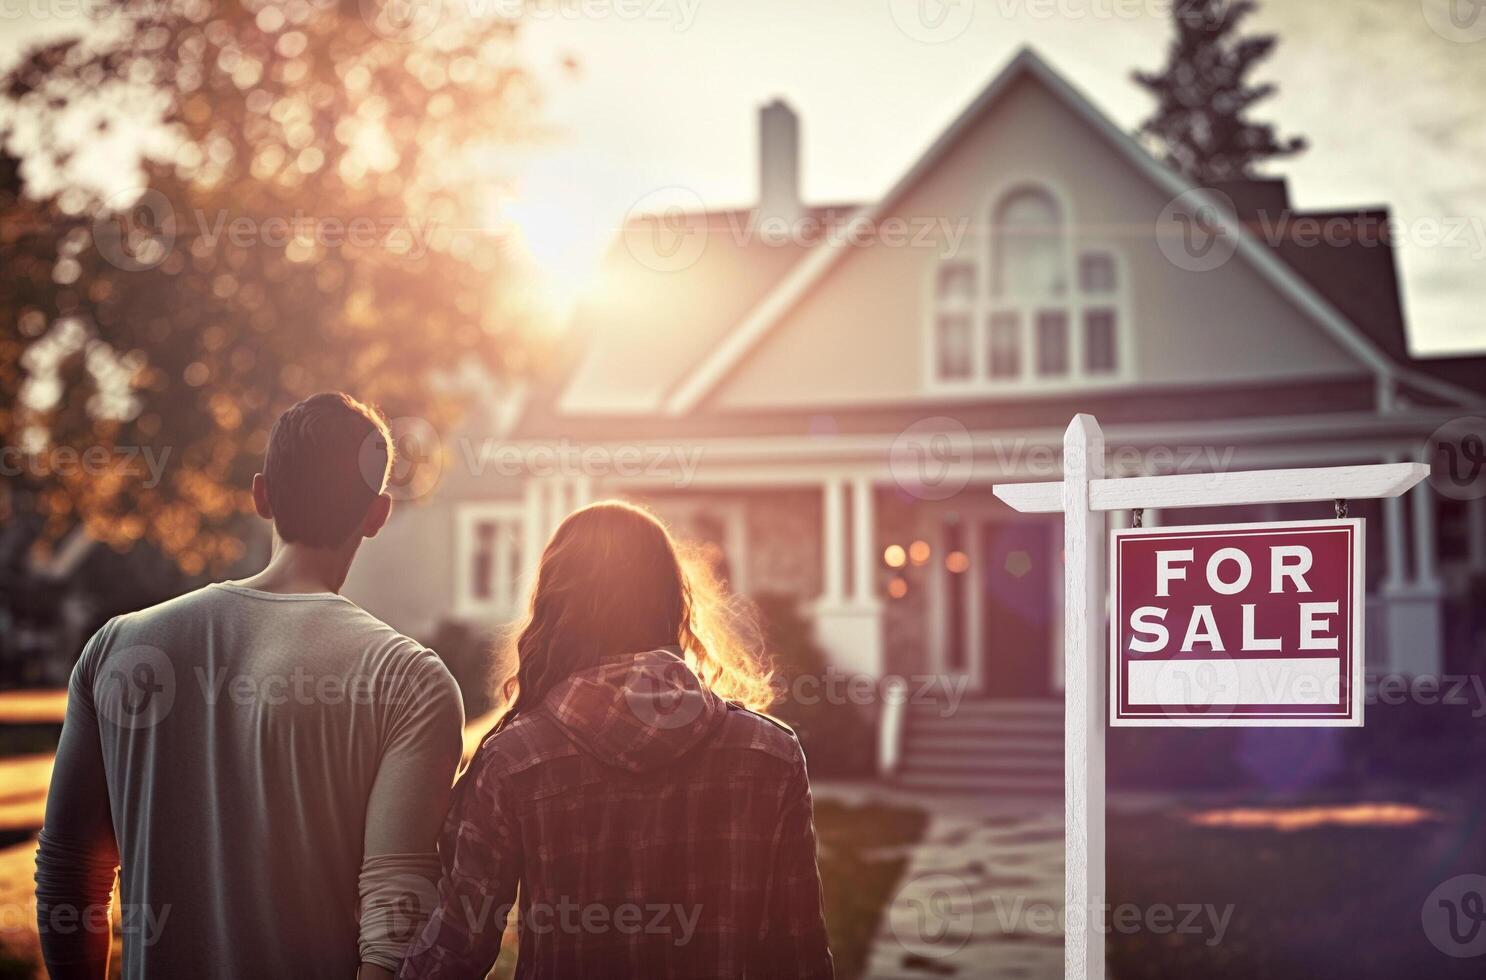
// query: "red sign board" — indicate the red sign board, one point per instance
point(1237, 624)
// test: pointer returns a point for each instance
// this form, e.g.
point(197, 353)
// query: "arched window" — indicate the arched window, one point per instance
point(1027, 307)
point(1027, 257)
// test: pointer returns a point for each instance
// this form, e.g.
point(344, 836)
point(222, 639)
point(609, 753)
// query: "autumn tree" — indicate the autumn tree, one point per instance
point(310, 216)
point(1203, 95)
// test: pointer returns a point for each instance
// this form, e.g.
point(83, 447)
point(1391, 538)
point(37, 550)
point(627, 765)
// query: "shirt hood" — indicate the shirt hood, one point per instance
point(637, 712)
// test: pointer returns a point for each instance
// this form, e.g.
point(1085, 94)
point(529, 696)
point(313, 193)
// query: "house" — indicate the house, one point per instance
point(826, 394)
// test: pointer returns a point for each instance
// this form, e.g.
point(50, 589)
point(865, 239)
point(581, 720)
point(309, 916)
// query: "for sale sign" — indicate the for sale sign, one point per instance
point(1239, 624)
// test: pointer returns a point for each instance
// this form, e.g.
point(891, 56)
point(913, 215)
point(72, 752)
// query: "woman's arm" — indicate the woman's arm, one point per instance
point(482, 861)
point(794, 943)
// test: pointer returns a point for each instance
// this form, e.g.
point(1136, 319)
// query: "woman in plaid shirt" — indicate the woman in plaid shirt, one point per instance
point(656, 825)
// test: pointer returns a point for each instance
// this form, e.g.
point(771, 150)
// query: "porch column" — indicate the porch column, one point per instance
point(1413, 604)
point(1395, 572)
point(848, 626)
point(1476, 525)
point(1425, 574)
point(534, 528)
point(582, 491)
point(833, 541)
point(864, 543)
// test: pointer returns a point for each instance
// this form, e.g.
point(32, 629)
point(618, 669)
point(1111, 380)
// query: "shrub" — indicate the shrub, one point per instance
point(839, 738)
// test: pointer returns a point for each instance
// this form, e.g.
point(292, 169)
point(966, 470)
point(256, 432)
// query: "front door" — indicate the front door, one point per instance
point(1019, 571)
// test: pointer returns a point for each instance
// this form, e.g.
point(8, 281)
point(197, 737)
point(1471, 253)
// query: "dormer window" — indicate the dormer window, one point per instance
point(1028, 310)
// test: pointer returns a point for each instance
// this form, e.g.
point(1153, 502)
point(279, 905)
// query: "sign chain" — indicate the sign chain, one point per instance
point(1341, 507)
point(1137, 517)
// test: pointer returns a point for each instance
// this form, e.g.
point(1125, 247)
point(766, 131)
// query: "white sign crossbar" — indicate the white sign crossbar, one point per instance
point(1224, 489)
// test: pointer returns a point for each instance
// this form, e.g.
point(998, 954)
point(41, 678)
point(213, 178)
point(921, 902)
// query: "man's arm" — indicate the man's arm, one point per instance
point(794, 940)
point(481, 852)
point(77, 858)
point(406, 809)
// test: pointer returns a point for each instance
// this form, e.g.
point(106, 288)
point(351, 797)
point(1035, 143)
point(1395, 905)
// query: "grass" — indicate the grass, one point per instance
point(862, 857)
point(1333, 901)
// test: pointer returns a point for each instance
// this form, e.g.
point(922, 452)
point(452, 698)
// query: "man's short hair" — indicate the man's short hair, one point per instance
point(328, 458)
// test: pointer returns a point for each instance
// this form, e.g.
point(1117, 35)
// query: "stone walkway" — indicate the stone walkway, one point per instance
point(982, 896)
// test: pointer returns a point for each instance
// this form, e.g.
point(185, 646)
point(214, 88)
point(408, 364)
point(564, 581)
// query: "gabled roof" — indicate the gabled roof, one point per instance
point(729, 349)
point(653, 323)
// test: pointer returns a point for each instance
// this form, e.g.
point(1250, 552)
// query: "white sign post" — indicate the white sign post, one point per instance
point(1084, 496)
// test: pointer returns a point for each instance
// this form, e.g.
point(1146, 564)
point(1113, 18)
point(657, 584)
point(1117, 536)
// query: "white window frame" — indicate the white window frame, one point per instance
point(678, 512)
point(976, 251)
point(506, 590)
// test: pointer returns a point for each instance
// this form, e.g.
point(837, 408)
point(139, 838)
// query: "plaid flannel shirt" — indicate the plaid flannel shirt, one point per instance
point(655, 831)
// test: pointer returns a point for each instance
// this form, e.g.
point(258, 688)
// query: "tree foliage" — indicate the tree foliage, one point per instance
point(1203, 95)
point(310, 217)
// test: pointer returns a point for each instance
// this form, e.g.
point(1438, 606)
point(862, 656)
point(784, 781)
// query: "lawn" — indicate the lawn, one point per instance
point(1330, 901)
point(862, 857)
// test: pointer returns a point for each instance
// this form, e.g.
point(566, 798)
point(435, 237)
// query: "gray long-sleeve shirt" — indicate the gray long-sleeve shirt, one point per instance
point(268, 771)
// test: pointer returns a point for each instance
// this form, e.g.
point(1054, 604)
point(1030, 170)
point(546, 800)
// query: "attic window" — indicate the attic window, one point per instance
point(957, 281)
point(1096, 273)
point(1047, 314)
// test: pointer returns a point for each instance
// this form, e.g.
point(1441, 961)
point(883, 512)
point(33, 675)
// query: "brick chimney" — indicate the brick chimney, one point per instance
point(779, 162)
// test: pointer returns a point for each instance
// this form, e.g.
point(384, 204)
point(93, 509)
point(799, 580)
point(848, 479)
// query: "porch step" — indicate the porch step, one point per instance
point(983, 783)
point(1007, 747)
point(957, 743)
point(926, 762)
point(1001, 708)
point(985, 725)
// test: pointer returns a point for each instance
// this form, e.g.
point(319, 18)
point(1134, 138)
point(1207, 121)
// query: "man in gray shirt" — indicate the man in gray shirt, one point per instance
point(266, 764)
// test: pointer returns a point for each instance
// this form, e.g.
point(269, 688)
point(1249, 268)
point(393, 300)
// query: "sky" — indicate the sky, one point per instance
point(1390, 93)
